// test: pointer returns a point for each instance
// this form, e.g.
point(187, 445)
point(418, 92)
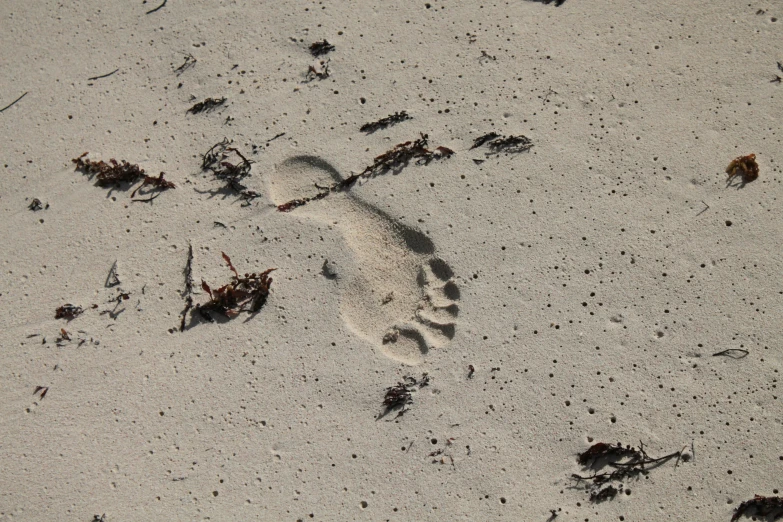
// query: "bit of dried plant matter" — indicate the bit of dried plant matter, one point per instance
point(398, 397)
point(319, 70)
point(320, 48)
point(207, 105)
point(557, 3)
point(246, 293)
point(388, 121)
point(189, 62)
point(626, 462)
point(36, 205)
point(41, 391)
point(758, 506)
point(498, 144)
point(68, 311)
point(109, 174)
point(744, 166)
point(481, 140)
point(188, 293)
point(233, 172)
point(394, 159)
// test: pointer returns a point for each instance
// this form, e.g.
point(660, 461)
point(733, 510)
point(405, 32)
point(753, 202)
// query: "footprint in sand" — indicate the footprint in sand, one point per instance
point(401, 298)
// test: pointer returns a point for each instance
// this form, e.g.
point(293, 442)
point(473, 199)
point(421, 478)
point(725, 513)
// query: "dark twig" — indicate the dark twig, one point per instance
point(159, 7)
point(189, 62)
point(275, 137)
point(103, 75)
point(734, 353)
point(41, 391)
point(388, 121)
point(112, 279)
point(13, 102)
point(188, 294)
point(706, 208)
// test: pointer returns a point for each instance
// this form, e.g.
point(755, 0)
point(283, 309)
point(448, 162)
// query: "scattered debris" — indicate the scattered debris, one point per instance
point(188, 293)
point(471, 371)
point(64, 336)
point(246, 293)
point(320, 48)
point(394, 159)
point(626, 462)
point(42, 390)
point(557, 3)
point(734, 353)
point(113, 279)
point(744, 166)
point(207, 105)
point(158, 184)
point(36, 205)
point(758, 506)
point(102, 518)
point(114, 313)
point(319, 70)
point(189, 62)
point(485, 57)
point(103, 75)
point(216, 160)
point(481, 140)
point(498, 144)
point(392, 119)
point(13, 102)
point(161, 6)
point(68, 311)
point(398, 397)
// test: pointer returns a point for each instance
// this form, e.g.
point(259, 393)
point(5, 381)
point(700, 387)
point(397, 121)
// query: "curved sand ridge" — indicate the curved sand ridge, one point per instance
point(402, 299)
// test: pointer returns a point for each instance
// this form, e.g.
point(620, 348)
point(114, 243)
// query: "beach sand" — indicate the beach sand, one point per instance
point(557, 297)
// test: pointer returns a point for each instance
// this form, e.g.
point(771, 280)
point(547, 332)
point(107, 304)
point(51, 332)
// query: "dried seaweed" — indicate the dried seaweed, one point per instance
point(157, 183)
point(36, 205)
point(319, 70)
point(398, 397)
point(109, 174)
point(388, 121)
point(557, 3)
point(247, 293)
point(394, 159)
point(506, 144)
point(745, 167)
point(320, 48)
point(758, 506)
point(189, 62)
point(481, 140)
point(188, 293)
point(207, 105)
point(68, 311)
point(625, 462)
point(233, 172)
point(113, 279)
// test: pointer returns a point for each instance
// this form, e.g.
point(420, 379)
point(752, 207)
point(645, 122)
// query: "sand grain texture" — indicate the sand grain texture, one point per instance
point(587, 281)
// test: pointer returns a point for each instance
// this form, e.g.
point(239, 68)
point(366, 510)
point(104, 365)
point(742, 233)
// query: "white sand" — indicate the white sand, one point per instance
point(588, 281)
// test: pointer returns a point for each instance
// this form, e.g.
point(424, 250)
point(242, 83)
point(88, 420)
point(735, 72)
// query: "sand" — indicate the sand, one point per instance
point(555, 298)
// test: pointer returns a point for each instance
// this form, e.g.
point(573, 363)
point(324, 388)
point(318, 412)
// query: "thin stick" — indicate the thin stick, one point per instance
point(103, 75)
point(159, 7)
point(706, 208)
point(13, 102)
point(731, 352)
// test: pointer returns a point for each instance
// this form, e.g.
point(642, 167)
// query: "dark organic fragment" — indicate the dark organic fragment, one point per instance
point(744, 166)
point(734, 353)
point(481, 140)
point(188, 293)
point(157, 183)
point(557, 3)
point(207, 105)
point(232, 172)
point(41, 391)
point(392, 119)
point(189, 62)
point(113, 279)
point(36, 205)
point(109, 174)
point(498, 144)
point(320, 48)
point(68, 311)
point(624, 462)
point(758, 506)
point(394, 159)
point(398, 397)
point(319, 70)
point(246, 293)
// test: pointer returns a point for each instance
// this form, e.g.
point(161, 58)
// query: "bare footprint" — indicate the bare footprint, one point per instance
point(402, 298)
